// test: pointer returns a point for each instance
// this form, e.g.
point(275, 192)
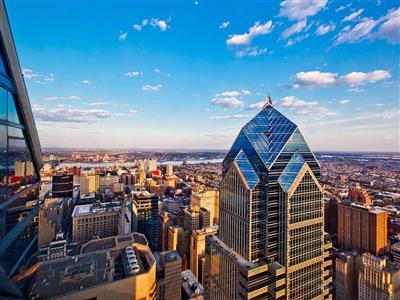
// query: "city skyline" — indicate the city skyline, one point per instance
point(190, 75)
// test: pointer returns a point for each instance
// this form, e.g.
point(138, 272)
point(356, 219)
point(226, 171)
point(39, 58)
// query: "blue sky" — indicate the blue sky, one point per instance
point(187, 74)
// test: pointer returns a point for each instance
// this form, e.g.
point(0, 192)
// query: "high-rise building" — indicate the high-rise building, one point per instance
point(163, 224)
point(95, 220)
point(347, 266)
point(362, 228)
point(52, 219)
point(118, 267)
point(379, 278)
point(208, 199)
point(145, 216)
point(90, 182)
point(331, 216)
point(196, 218)
point(169, 170)
point(270, 243)
point(179, 239)
point(62, 185)
point(198, 251)
point(169, 267)
point(20, 162)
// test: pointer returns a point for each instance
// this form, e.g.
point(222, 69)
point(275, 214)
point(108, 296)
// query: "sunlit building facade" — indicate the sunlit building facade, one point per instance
point(20, 161)
point(270, 243)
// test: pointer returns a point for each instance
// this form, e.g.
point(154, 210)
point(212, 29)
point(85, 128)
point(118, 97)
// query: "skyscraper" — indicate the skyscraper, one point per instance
point(362, 228)
point(270, 243)
point(20, 161)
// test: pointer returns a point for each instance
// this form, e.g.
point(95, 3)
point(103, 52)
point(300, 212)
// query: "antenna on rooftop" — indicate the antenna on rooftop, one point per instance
point(268, 101)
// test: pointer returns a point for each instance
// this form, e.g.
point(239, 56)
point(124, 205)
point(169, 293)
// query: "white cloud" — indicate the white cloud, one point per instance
point(324, 29)
point(390, 29)
point(246, 92)
point(162, 24)
point(359, 32)
point(157, 70)
point(230, 117)
point(29, 74)
point(251, 51)
point(137, 27)
point(315, 79)
point(74, 98)
point(151, 88)
point(379, 105)
point(122, 36)
point(231, 94)
point(153, 22)
point(359, 78)
point(355, 90)
point(87, 82)
point(305, 108)
point(256, 106)
point(239, 39)
point(40, 78)
point(134, 74)
point(295, 28)
point(62, 114)
point(133, 111)
point(224, 25)
point(227, 102)
point(344, 101)
point(353, 15)
point(52, 98)
point(300, 10)
point(102, 103)
point(246, 38)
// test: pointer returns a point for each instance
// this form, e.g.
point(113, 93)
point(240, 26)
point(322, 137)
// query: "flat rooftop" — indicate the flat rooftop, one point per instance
point(87, 209)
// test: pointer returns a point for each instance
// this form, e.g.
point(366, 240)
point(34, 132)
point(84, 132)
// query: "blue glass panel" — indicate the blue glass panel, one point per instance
point(3, 104)
point(291, 170)
point(247, 170)
point(12, 110)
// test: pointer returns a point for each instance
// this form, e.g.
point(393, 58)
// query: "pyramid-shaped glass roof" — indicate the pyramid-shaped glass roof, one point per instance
point(291, 170)
point(247, 170)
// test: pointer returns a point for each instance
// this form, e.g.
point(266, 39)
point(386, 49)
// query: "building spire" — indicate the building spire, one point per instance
point(268, 101)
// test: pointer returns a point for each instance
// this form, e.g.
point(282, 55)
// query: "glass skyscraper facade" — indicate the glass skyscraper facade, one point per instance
point(20, 161)
point(270, 243)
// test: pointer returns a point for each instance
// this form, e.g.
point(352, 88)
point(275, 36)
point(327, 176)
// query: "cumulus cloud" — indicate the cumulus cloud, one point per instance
point(256, 106)
point(306, 108)
point(74, 115)
point(151, 88)
point(353, 15)
point(316, 79)
point(300, 10)
point(230, 117)
point(359, 78)
point(153, 22)
point(246, 38)
point(344, 101)
point(224, 25)
point(134, 74)
point(87, 82)
point(295, 28)
point(227, 102)
point(122, 36)
point(324, 29)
